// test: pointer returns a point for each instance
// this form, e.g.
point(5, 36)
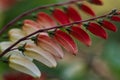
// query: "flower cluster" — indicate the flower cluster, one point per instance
point(57, 33)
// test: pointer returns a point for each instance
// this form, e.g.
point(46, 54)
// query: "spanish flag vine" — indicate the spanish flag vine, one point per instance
point(48, 36)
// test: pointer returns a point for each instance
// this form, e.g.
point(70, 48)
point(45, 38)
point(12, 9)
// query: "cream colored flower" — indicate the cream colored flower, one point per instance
point(40, 55)
point(23, 64)
point(15, 34)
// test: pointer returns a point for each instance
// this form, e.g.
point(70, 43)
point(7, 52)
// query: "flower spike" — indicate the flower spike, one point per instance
point(48, 44)
point(60, 16)
point(87, 9)
point(45, 20)
point(108, 25)
point(97, 30)
point(66, 41)
point(80, 34)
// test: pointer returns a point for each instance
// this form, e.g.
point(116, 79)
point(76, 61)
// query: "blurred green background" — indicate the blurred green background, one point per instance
point(77, 67)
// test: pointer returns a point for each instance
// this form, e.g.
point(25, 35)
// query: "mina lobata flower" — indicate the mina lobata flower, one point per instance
point(73, 14)
point(4, 45)
point(65, 41)
point(87, 9)
point(30, 26)
point(97, 30)
point(37, 53)
point(115, 18)
point(16, 34)
point(45, 20)
point(108, 25)
point(48, 44)
point(60, 16)
point(80, 35)
point(21, 63)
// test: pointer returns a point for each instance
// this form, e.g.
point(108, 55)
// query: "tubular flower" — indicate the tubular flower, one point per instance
point(80, 35)
point(48, 44)
point(115, 18)
point(30, 26)
point(108, 25)
point(73, 14)
point(97, 30)
point(97, 2)
point(66, 41)
point(87, 9)
point(16, 34)
point(35, 52)
point(45, 20)
point(23, 64)
point(5, 45)
point(60, 16)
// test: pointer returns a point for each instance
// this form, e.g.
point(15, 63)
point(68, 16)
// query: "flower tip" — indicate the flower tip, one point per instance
point(54, 66)
point(105, 37)
point(115, 30)
point(89, 44)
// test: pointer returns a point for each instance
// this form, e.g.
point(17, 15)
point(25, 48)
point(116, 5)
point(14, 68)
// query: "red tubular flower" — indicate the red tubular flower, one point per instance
point(115, 18)
point(66, 41)
point(80, 34)
point(60, 16)
point(48, 44)
point(45, 20)
point(97, 2)
point(73, 14)
point(87, 9)
point(108, 25)
point(97, 30)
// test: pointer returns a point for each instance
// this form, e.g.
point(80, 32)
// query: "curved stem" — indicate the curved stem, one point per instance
point(33, 10)
point(43, 30)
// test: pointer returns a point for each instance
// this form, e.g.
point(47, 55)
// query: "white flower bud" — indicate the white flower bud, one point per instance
point(23, 64)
